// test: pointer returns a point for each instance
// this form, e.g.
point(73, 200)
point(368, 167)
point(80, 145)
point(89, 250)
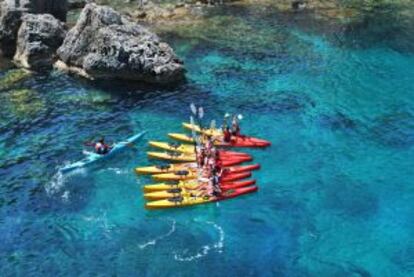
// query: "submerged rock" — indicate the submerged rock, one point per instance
point(103, 44)
point(40, 35)
point(13, 78)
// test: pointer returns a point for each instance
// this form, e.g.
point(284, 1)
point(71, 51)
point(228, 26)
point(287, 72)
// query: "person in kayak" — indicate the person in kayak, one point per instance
point(235, 126)
point(101, 147)
point(215, 182)
point(227, 135)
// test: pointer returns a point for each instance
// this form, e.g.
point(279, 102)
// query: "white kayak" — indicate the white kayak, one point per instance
point(92, 157)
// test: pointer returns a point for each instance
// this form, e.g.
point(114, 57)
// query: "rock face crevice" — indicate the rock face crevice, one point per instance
point(103, 44)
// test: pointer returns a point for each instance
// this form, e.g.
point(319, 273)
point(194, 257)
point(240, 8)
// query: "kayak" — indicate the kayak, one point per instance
point(188, 148)
point(180, 157)
point(183, 201)
point(170, 168)
point(92, 157)
point(189, 175)
point(241, 141)
point(175, 192)
point(207, 131)
point(193, 184)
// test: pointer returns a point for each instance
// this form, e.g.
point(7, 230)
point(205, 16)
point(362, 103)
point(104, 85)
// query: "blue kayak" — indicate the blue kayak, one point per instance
point(92, 157)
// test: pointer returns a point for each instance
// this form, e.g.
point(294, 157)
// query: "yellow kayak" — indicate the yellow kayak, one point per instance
point(189, 200)
point(175, 147)
point(176, 176)
point(209, 132)
point(166, 188)
point(189, 139)
point(175, 157)
point(169, 168)
point(189, 175)
point(227, 158)
point(174, 192)
point(179, 201)
point(189, 184)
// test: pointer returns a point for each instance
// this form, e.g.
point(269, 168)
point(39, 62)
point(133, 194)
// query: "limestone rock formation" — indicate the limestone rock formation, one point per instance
point(104, 44)
point(39, 36)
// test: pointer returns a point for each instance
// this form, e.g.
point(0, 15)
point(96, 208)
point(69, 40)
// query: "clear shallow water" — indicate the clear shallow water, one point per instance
point(336, 188)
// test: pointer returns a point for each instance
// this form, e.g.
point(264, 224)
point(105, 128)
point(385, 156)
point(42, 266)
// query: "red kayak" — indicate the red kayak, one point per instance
point(240, 159)
point(241, 168)
point(238, 184)
point(232, 153)
point(246, 141)
point(235, 176)
point(232, 162)
point(231, 193)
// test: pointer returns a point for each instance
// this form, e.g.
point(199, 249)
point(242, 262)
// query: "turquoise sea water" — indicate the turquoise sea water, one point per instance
point(336, 188)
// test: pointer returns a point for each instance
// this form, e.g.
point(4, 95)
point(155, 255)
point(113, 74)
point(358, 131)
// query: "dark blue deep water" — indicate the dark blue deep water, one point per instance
point(336, 188)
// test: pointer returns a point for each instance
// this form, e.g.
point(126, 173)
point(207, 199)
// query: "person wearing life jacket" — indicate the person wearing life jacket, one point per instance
point(235, 127)
point(215, 182)
point(201, 156)
point(101, 147)
point(227, 135)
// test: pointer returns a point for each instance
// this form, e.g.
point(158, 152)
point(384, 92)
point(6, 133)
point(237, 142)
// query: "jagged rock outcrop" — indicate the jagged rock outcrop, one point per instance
point(57, 8)
point(39, 36)
point(11, 12)
point(10, 20)
point(103, 44)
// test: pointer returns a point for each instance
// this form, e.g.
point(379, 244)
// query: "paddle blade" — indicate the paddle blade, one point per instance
point(200, 112)
point(193, 108)
point(213, 124)
point(193, 133)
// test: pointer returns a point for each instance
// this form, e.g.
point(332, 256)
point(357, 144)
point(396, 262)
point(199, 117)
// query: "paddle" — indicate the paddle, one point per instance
point(198, 113)
point(197, 142)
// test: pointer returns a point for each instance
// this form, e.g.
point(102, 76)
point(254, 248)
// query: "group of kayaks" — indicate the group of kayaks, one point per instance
point(179, 181)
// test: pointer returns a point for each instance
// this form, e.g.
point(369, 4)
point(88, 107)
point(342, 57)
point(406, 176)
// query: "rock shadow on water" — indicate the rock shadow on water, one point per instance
point(403, 258)
point(337, 121)
point(350, 198)
point(394, 130)
point(281, 102)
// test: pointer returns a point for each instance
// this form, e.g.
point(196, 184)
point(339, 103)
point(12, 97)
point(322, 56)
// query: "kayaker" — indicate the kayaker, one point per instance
point(235, 127)
point(227, 135)
point(101, 147)
point(216, 190)
point(201, 156)
point(209, 144)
